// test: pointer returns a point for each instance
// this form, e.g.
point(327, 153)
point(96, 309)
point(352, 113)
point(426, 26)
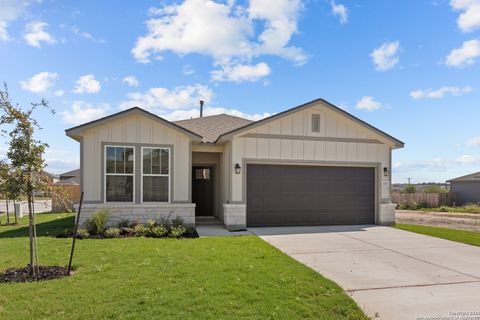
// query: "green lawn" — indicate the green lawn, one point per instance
point(468, 237)
point(145, 278)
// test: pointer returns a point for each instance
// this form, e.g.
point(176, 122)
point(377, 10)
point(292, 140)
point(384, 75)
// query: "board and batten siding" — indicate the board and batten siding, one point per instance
point(246, 146)
point(138, 130)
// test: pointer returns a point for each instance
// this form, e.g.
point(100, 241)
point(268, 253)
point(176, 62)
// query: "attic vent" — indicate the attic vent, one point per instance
point(315, 123)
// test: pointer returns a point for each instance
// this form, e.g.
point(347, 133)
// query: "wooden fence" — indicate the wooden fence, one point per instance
point(431, 200)
point(64, 197)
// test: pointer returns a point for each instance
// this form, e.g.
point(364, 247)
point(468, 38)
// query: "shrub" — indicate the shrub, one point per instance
point(443, 209)
point(157, 232)
point(151, 223)
point(127, 231)
point(82, 233)
point(177, 222)
point(112, 233)
point(97, 222)
point(421, 204)
point(124, 223)
point(140, 230)
point(177, 231)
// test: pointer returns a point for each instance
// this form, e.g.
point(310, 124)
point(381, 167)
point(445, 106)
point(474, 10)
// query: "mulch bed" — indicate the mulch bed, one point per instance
point(23, 274)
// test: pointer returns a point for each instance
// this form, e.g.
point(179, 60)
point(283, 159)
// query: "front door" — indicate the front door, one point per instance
point(203, 190)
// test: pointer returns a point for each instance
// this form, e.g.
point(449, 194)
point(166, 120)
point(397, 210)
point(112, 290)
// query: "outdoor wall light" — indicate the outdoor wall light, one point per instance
point(237, 168)
point(385, 171)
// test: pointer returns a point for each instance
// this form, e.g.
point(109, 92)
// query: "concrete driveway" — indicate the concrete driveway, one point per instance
point(390, 273)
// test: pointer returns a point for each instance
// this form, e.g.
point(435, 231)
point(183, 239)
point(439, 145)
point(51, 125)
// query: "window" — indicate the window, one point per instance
point(202, 174)
point(155, 174)
point(315, 123)
point(119, 173)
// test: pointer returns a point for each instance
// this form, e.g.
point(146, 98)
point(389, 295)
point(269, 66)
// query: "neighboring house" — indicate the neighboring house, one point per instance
point(314, 164)
point(466, 189)
point(71, 178)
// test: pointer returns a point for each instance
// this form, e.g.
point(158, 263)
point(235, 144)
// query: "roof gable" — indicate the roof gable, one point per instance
point(469, 177)
point(397, 143)
point(75, 132)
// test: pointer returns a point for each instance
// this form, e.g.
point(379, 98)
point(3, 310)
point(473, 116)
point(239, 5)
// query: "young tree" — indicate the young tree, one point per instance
point(26, 157)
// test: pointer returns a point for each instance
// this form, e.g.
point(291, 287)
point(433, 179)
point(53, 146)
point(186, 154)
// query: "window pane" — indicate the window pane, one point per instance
point(202, 174)
point(120, 160)
point(110, 160)
point(155, 188)
point(147, 161)
point(129, 160)
point(119, 188)
point(155, 161)
point(165, 162)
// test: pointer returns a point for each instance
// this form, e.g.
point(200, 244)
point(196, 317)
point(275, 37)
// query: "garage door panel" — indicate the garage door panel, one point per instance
point(281, 195)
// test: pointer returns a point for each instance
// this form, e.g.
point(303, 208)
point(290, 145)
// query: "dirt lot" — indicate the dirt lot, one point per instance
point(461, 221)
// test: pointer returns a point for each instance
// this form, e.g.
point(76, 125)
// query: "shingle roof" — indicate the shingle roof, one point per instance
point(469, 177)
point(74, 181)
point(211, 127)
point(73, 173)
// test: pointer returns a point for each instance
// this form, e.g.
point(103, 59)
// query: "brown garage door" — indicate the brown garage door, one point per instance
point(279, 195)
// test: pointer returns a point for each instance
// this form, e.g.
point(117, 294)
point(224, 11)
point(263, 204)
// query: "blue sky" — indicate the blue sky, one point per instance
point(410, 68)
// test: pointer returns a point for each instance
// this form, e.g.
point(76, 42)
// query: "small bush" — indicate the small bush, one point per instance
point(140, 230)
point(471, 208)
point(177, 222)
point(443, 209)
point(97, 222)
point(112, 233)
point(177, 231)
point(151, 223)
point(82, 233)
point(124, 223)
point(421, 205)
point(157, 232)
point(124, 231)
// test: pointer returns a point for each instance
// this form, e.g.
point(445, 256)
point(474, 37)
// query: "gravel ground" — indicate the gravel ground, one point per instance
point(461, 221)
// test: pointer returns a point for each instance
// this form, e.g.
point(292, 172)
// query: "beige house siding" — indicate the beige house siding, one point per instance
point(138, 130)
point(340, 141)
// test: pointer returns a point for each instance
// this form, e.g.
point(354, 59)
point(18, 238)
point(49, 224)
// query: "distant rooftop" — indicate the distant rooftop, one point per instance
point(211, 127)
point(469, 177)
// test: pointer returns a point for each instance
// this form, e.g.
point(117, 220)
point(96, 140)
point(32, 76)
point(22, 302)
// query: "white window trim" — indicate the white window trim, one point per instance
point(117, 174)
point(156, 175)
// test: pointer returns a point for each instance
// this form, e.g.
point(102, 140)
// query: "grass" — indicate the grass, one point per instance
point(144, 278)
point(468, 237)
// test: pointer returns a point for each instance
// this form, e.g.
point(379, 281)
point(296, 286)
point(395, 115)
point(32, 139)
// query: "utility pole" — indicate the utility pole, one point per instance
point(409, 180)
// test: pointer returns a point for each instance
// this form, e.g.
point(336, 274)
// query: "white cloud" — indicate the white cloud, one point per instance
point(35, 34)
point(58, 93)
point(368, 103)
point(163, 100)
point(188, 70)
point(131, 81)
point(210, 111)
point(81, 112)
point(469, 19)
point(386, 57)
point(341, 11)
point(40, 82)
point(3, 31)
point(87, 84)
point(241, 72)
point(473, 142)
point(86, 35)
point(465, 55)
point(437, 164)
point(229, 33)
point(10, 11)
point(439, 93)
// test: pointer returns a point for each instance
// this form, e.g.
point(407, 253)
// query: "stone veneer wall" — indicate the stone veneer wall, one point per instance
point(235, 216)
point(142, 212)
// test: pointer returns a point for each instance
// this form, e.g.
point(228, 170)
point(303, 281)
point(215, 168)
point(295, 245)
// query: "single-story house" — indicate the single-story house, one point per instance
point(70, 178)
point(314, 164)
point(466, 189)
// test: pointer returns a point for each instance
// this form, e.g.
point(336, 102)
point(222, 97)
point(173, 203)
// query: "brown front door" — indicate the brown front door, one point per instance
point(202, 190)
